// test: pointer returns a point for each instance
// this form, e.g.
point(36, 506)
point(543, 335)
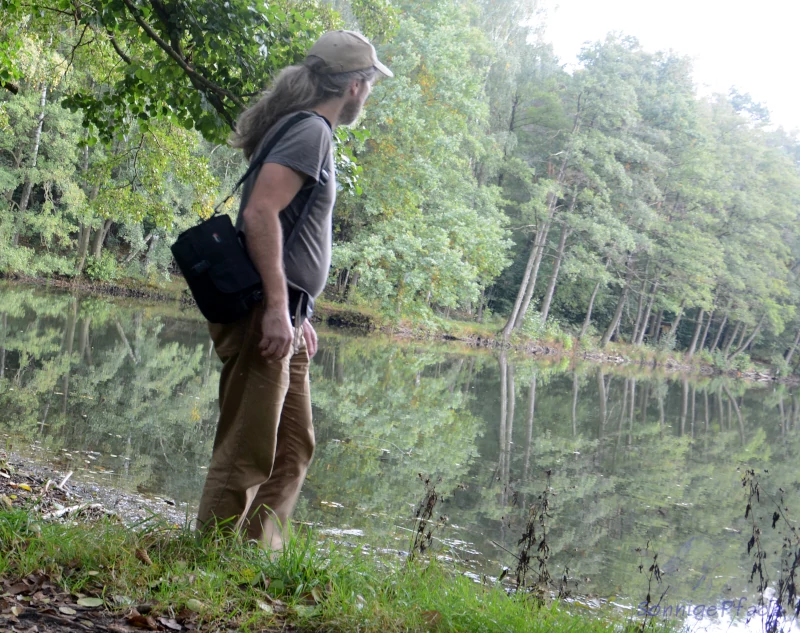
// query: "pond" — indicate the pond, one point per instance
point(635, 462)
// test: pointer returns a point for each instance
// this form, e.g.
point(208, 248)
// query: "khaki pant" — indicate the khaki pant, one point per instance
point(265, 437)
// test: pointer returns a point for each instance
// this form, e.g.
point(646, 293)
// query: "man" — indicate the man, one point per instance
point(265, 437)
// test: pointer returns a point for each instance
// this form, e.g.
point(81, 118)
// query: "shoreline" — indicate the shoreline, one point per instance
point(93, 568)
point(63, 493)
point(352, 319)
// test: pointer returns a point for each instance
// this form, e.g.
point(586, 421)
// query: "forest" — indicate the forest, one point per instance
point(485, 182)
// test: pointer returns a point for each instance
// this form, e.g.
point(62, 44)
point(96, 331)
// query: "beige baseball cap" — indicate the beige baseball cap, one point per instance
point(346, 51)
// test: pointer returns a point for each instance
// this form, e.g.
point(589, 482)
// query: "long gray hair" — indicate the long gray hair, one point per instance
point(295, 88)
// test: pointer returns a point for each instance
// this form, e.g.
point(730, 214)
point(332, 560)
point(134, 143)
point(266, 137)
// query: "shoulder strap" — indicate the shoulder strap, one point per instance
point(262, 155)
point(322, 179)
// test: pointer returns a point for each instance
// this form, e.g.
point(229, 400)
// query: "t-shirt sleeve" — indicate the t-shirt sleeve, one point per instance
point(304, 147)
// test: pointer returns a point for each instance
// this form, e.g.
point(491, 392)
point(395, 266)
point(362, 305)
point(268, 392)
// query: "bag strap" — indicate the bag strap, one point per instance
point(264, 153)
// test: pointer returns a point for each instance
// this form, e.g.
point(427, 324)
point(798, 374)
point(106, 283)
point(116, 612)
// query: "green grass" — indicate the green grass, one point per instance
point(312, 586)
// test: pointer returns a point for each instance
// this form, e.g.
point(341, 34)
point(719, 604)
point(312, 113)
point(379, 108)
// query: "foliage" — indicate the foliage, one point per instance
point(483, 178)
point(103, 269)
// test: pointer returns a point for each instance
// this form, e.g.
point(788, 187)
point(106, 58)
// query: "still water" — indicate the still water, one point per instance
point(125, 393)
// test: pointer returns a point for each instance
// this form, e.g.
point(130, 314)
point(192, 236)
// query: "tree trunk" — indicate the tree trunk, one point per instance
point(135, 251)
point(732, 401)
point(719, 333)
point(529, 279)
point(705, 331)
point(26, 189)
point(501, 465)
point(638, 323)
point(575, 389)
point(529, 434)
point(656, 333)
point(632, 412)
point(99, 238)
point(677, 322)
point(512, 401)
point(526, 301)
point(790, 353)
point(647, 311)
point(685, 405)
point(511, 122)
point(588, 318)
point(601, 388)
point(69, 340)
point(731, 338)
point(620, 306)
point(556, 265)
point(752, 337)
point(523, 286)
point(742, 336)
point(697, 328)
point(149, 256)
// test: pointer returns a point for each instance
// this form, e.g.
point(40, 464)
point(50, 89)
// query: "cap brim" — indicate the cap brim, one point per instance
point(383, 70)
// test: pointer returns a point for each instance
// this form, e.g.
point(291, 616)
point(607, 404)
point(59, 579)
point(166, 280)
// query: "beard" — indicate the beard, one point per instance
point(350, 113)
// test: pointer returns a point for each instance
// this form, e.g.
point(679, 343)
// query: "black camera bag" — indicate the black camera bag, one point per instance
point(212, 257)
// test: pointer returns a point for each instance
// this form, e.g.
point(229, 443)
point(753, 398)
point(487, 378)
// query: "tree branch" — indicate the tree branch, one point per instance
point(196, 77)
point(117, 48)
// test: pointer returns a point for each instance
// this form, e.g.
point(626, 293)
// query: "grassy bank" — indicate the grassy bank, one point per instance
point(163, 577)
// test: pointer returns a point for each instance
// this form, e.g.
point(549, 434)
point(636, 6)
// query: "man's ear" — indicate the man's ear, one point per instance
point(354, 87)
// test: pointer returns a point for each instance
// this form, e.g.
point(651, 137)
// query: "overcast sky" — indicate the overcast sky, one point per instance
point(754, 45)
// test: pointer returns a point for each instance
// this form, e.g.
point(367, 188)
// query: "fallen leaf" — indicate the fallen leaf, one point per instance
point(195, 605)
point(142, 555)
point(3, 473)
point(24, 487)
point(265, 607)
point(316, 593)
point(67, 610)
point(18, 588)
point(124, 601)
point(305, 611)
point(17, 610)
point(142, 621)
point(90, 602)
point(170, 624)
point(6, 501)
point(93, 573)
point(87, 623)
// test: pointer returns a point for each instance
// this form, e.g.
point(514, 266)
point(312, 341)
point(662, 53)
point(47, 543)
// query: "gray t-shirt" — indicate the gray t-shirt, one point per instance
point(305, 147)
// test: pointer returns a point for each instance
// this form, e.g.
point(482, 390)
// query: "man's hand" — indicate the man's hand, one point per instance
point(277, 335)
point(310, 335)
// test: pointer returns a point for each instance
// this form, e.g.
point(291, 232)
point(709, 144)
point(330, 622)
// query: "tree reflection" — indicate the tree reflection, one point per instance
point(636, 456)
point(150, 403)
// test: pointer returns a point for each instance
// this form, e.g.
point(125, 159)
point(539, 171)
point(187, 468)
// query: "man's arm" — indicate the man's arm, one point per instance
point(275, 187)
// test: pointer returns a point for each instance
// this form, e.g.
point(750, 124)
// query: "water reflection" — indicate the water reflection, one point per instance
point(127, 393)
